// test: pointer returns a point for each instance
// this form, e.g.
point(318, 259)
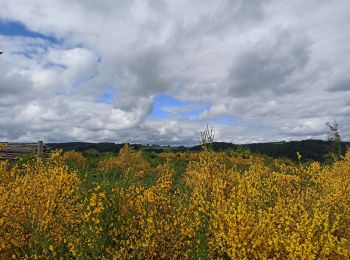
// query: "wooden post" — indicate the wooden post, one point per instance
point(40, 148)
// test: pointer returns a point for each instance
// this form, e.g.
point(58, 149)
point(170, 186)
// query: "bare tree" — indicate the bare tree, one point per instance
point(334, 138)
point(207, 137)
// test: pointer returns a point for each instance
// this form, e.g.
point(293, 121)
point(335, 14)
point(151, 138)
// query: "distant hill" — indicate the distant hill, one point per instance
point(315, 150)
point(82, 146)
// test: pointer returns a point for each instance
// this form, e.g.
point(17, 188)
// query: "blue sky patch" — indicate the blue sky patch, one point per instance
point(107, 96)
point(166, 106)
point(194, 111)
point(14, 28)
point(158, 106)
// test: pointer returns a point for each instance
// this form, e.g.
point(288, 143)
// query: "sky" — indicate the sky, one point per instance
point(160, 71)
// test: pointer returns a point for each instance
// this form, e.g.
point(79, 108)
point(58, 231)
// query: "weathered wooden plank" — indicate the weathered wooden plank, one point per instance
point(13, 150)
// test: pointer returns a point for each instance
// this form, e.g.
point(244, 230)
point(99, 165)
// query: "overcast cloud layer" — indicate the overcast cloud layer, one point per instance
point(259, 71)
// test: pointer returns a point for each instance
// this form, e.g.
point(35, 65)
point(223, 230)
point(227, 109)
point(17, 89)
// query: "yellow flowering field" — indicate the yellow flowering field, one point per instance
point(204, 205)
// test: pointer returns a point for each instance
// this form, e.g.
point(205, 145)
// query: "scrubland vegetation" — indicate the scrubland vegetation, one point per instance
point(189, 205)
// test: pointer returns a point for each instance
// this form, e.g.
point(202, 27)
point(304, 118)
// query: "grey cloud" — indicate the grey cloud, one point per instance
point(232, 15)
point(280, 64)
point(64, 119)
point(268, 66)
point(158, 5)
point(12, 84)
point(341, 85)
point(219, 19)
point(310, 127)
point(143, 79)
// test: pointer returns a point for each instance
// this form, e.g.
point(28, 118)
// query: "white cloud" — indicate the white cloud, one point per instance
point(78, 63)
point(280, 66)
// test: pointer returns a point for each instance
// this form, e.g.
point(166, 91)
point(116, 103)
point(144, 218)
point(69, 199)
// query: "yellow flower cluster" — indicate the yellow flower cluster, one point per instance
point(233, 157)
point(187, 156)
point(295, 212)
point(74, 157)
point(39, 204)
point(91, 231)
point(127, 160)
point(213, 209)
point(298, 212)
point(2, 145)
point(154, 222)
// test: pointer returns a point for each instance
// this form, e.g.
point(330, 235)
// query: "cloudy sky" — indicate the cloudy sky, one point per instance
point(159, 71)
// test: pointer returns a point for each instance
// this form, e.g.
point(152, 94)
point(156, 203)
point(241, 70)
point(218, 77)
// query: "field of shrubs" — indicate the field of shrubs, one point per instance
point(190, 205)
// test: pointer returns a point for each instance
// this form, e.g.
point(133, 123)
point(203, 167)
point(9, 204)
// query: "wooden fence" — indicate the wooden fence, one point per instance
point(14, 150)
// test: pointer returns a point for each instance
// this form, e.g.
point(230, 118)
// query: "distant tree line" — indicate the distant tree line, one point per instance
point(315, 150)
point(310, 150)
